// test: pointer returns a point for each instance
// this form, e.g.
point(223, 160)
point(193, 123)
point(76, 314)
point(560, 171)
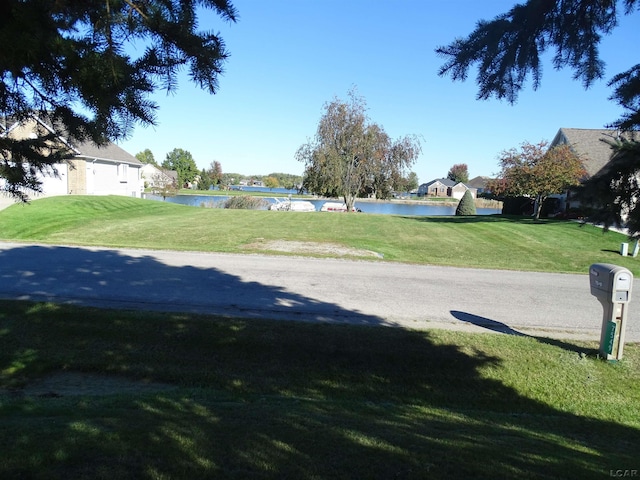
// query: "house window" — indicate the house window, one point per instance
point(123, 171)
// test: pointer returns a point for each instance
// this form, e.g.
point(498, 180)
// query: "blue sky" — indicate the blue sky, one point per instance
point(290, 57)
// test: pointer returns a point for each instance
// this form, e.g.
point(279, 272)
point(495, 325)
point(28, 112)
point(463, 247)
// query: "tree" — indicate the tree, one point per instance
point(166, 189)
point(459, 173)
point(146, 157)
point(466, 205)
point(182, 162)
point(537, 172)
point(72, 63)
point(406, 183)
point(205, 180)
point(215, 172)
point(271, 182)
point(287, 180)
point(350, 155)
point(508, 50)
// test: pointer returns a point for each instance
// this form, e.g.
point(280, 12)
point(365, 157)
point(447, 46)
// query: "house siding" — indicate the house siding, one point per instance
point(77, 177)
point(105, 178)
point(55, 184)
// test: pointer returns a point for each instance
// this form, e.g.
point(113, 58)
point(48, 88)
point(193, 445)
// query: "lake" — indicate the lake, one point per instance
point(380, 207)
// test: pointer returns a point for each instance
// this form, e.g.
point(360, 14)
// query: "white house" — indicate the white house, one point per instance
point(444, 187)
point(93, 170)
point(158, 177)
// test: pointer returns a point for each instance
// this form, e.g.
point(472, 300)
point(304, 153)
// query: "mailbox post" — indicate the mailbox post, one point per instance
point(611, 285)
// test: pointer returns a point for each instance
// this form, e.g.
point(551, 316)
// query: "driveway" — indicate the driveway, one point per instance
point(309, 289)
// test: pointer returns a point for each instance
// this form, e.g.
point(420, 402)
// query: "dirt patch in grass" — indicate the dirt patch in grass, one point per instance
point(317, 248)
point(64, 384)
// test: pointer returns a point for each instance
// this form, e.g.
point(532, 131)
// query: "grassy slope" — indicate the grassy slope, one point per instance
point(260, 399)
point(482, 241)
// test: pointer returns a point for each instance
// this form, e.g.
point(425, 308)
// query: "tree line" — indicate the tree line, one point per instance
point(182, 162)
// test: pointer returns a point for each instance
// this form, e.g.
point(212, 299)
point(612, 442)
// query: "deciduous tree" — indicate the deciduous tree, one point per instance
point(146, 156)
point(349, 155)
point(537, 172)
point(204, 183)
point(406, 183)
point(215, 172)
point(182, 162)
point(271, 182)
point(459, 173)
point(73, 63)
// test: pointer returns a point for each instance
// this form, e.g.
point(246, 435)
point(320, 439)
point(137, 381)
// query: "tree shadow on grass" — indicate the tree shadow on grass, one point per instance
point(264, 399)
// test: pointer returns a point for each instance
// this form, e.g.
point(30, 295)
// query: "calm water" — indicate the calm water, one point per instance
point(390, 208)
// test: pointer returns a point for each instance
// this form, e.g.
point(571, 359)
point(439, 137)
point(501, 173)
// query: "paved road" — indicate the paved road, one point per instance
point(297, 288)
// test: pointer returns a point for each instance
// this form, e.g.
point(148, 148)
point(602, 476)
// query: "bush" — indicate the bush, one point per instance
point(246, 202)
point(467, 205)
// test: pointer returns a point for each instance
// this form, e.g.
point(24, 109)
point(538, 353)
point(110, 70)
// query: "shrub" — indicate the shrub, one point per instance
point(246, 202)
point(467, 205)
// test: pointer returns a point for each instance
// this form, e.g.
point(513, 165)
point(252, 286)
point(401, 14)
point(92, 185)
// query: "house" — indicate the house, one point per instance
point(93, 170)
point(588, 144)
point(157, 177)
point(444, 187)
point(591, 148)
point(436, 188)
point(479, 183)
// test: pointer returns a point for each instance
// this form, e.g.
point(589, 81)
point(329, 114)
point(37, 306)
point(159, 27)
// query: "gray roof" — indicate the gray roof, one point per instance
point(588, 144)
point(88, 149)
point(478, 182)
point(109, 151)
point(445, 181)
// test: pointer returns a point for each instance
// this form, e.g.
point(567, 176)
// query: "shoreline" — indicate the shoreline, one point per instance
point(442, 202)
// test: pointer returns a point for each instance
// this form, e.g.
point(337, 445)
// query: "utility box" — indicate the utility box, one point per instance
point(611, 285)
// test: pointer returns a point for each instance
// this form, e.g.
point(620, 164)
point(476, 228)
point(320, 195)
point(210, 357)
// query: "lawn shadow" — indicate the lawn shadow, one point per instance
point(258, 399)
point(109, 278)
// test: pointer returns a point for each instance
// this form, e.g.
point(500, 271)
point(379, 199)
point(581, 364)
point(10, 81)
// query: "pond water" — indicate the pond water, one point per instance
point(381, 207)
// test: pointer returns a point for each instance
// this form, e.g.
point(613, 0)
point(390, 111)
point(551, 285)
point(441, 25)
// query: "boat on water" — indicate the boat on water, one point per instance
point(292, 206)
point(333, 207)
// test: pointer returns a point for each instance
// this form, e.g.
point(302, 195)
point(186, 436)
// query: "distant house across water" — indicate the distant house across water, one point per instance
point(444, 187)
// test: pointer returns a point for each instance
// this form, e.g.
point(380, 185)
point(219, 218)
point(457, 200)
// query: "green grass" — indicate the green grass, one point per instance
point(514, 243)
point(254, 399)
point(260, 399)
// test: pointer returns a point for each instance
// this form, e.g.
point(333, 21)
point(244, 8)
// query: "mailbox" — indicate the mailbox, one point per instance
point(611, 285)
point(610, 282)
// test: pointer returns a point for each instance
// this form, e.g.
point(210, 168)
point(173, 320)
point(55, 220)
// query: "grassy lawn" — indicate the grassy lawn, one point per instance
point(226, 398)
point(479, 241)
point(101, 394)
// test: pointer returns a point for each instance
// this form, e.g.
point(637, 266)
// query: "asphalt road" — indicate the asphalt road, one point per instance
point(298, 288)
